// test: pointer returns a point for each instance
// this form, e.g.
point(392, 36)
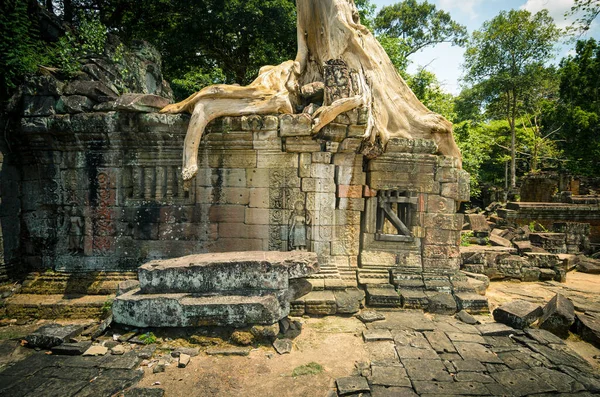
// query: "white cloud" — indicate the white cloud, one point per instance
point(466, 6)
point(556, 9)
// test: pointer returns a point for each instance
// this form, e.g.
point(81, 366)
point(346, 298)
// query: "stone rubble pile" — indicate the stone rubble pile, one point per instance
point(493, 247)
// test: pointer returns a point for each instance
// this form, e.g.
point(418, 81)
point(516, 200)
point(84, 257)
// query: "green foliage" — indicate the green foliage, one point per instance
point(21, 50)
point(413, 26)
point(465, 238)
point(588, 10)
point(366, 10)
point(148, 338)
point(107, 307)
point(308, 369)
point(198, 36)
point(577, 114)
point(196, 79)
point(87, 40)
point(536, 227)
point(502, 60)
point(428, 89)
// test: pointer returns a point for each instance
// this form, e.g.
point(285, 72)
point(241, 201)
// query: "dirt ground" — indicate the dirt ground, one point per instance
point(335, 343)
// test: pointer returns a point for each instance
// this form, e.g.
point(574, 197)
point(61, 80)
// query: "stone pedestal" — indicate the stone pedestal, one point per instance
point(226, 289)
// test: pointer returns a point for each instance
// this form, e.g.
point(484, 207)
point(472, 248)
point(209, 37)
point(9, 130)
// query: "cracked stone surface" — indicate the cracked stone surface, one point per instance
point(442, 356)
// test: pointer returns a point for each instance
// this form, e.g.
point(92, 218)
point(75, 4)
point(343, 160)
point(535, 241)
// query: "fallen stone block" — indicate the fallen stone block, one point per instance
point(229, 271)
point(588, 265)
point(283, 346)
point(478, 224)
point(96, 350)
point(183, 361)
point(71, 349)
point(145, 103)
point(466, 318)
point(518, 314)
point(232, 351)
point(559, 315)
point(543, 260)
point(500, 241)
point(189, 310)
point(552, 242)
point(588, 327)
point(50, 335)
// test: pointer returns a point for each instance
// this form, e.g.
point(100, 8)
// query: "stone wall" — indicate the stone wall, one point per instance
point(103, 191)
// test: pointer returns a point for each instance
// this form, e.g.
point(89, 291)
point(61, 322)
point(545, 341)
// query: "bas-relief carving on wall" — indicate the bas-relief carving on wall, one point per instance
point(299, 229)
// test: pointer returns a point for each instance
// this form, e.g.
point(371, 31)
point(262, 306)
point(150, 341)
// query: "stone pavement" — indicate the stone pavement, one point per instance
point(412, 354)
point(44, 375)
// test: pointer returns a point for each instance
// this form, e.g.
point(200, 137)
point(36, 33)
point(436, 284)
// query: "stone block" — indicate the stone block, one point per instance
point(258, 198)
point(350, 176)
point(304, 165)
point(241, 230)
point(50, 335)
point(319, 185)
point(184, 310)
point(435, 236)
point(353, 385)
point(518, 314)
point(441, 303)
point(588, 328)
point(256, 216)
point(357, 131)
point(552, 242)
point(268, 159)
point(321, 157)
point(559, 315)
point(443, 221)
point(266, 140)
point(230, 271)
point(227, 213)
point(321, 303)
point(350, 145)
point(300, 144)
point(230, 159)
point(295, 125)
point(383, 296)
point(472, 303)
point(440, 205)
point(334, 132)
point(543, 260)
point(349, 191)
point(259, 123)
point(378, 258)
point(349, 301)
point(499, 241)
point(324, 171)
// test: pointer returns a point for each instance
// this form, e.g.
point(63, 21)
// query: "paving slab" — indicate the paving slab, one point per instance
point(495, 329)
point(475, 351)
point(389, 375)
point(407, 352)
point(522, 382)
point(369, 316)
point(468, 365)
point(382, 391)
point(382, 352)
point(473, 377)
point(72, 349)
point(352, 384)
point(411, 339)
point(451, 388)
point(542, 336)
point(512, 361)
point(562, 382)
point(462, 337)
point(426, 369)
point(372, 335)
point(144, 392)
point(408, 319)
point(439, 342)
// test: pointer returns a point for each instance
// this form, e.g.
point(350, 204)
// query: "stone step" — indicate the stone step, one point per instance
point(229, 271)
point(50, 283)
point(383, 295)
point(57, 306)
point(189, 310)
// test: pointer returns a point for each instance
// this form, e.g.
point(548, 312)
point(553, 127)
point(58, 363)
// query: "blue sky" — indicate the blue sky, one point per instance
point(445, 60)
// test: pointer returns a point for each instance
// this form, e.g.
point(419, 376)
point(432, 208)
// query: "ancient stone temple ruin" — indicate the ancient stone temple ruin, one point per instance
point(97, 186)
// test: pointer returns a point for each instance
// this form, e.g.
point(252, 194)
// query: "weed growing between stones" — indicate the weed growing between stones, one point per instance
point(308, 369)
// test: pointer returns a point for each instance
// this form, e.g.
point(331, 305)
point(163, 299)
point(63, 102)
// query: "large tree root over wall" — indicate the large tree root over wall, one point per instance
point(327, 30)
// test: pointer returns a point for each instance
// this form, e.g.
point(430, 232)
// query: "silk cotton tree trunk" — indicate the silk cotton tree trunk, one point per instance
point(327, 30)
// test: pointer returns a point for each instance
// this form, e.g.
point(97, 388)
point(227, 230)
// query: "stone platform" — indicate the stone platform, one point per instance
point(236, 288)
